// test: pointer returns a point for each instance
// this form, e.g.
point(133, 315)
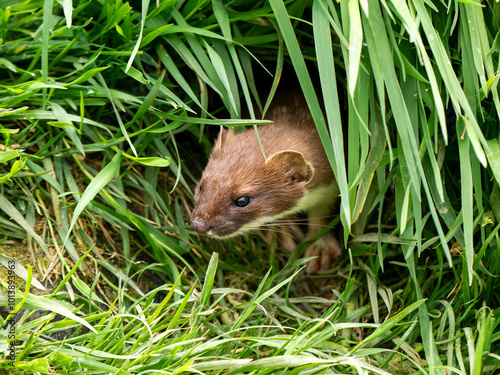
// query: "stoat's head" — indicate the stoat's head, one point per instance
point(240, 191)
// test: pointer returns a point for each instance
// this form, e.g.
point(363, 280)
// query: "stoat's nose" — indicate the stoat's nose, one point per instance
point(199, 225)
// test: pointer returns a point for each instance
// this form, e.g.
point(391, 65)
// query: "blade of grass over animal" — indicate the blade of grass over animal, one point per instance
point(326, 68)
point(217, 122)
point(312, 101)
point(14, 214)
point(278, 72)
point(109, 172)
point(47, 23)
point(401, 117)
point(386, 238)
point(467, 196)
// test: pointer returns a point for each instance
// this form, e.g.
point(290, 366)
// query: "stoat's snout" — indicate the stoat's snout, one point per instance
point(200, 225)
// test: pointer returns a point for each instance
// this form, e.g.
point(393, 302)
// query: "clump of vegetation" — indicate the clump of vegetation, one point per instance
point(107, 114)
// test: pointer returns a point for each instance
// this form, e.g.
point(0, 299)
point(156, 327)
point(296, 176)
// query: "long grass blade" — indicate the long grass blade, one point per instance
point(98, 182)
point(310, 96)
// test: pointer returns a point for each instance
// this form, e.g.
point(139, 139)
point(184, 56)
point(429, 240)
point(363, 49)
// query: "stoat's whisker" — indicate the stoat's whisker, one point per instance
point(292, 235)
point(274, 224)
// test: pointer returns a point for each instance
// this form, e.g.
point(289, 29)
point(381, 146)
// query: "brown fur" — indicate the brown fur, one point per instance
point(296, 164)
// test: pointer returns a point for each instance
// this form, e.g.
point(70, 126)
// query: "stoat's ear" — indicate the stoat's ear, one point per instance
point(291, 165)
point(224, 136)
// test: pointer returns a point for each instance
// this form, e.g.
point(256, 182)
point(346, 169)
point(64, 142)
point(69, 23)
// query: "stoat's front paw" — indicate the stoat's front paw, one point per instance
point(326, 249)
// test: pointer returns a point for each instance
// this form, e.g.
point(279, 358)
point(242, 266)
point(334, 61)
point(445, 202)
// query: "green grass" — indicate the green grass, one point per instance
point(108, 110)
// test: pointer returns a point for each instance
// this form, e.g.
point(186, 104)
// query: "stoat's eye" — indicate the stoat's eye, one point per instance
point(242, 201)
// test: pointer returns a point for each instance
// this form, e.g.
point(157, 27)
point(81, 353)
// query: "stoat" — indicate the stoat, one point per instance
point(241, 191)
